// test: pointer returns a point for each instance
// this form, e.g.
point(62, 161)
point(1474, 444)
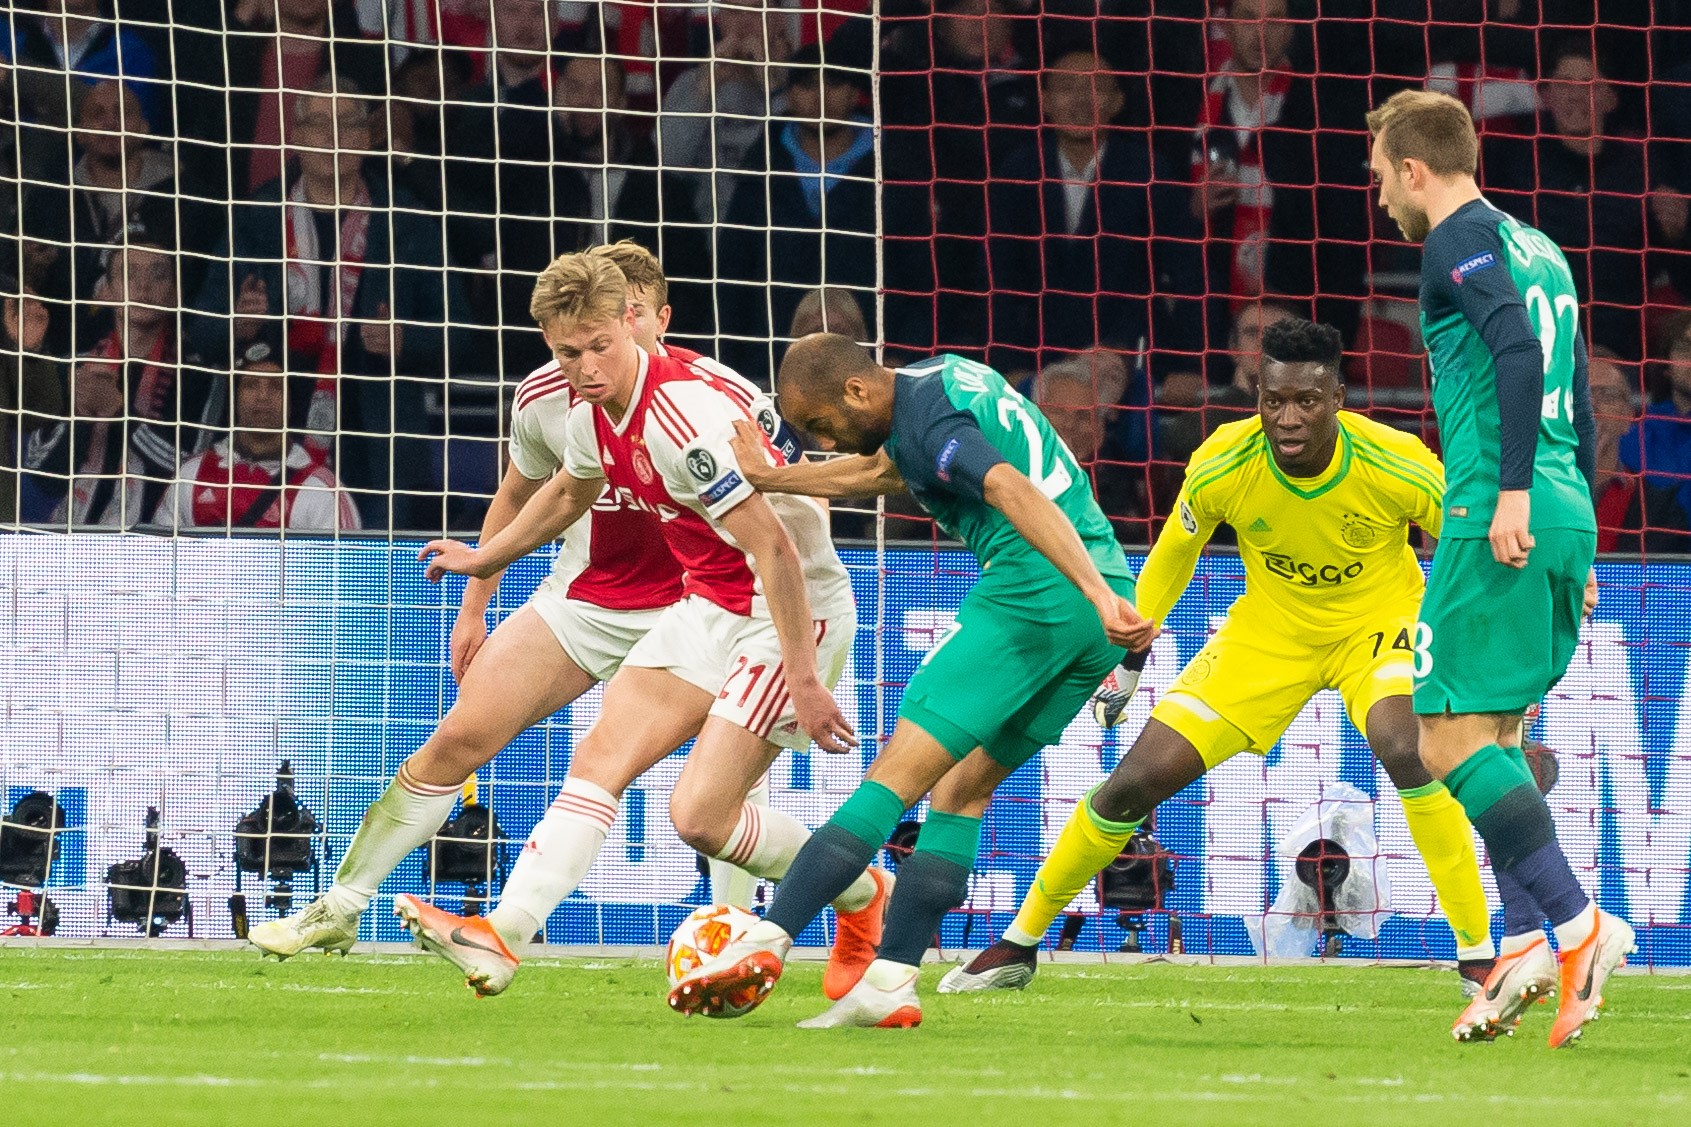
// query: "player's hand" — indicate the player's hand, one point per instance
point(820, 716)
point(468, 634)
point(748, 446)
point(454, 556)
point(1123, 626)
point(1511, 538)
point(1591, 593)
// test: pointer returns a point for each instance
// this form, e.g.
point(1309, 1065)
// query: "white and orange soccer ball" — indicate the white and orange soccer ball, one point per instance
point(702, 936)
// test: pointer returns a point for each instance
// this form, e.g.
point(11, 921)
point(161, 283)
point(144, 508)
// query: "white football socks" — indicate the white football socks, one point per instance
point(557, 855)
point(765, 842)
point(730, 884)
point(1577, 930)
point(407, 815)
point(1515, 944)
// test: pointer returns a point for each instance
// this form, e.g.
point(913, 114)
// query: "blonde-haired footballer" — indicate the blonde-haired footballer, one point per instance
point(1322, 500)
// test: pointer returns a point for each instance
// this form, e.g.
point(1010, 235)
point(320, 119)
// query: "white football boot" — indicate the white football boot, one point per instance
point(318, 924)
point(892, 1005)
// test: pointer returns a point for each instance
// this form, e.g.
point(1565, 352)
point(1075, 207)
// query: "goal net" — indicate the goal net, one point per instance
point(266, 267)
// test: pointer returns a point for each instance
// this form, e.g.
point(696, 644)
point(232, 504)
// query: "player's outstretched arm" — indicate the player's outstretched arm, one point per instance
point(469, 630)
point(855, 475)
point(1173, 559)
point(1043, 525)
point(755, 527)
point(554, 507)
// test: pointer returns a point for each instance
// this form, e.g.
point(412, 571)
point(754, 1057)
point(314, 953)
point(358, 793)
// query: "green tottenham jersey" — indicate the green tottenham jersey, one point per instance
point(1489, 284)
point(953, 420)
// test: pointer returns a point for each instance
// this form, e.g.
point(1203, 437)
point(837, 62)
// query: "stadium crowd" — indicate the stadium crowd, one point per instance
point(355, 198)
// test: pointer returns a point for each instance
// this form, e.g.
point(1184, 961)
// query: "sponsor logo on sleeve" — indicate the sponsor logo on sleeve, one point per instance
point(1473, 266)
point(947, 455)
point(1187, 520)
point(730, 482)
point(701, 465)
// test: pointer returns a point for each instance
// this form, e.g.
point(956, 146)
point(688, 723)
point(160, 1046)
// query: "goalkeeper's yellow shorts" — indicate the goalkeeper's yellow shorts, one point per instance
point(1247, 684)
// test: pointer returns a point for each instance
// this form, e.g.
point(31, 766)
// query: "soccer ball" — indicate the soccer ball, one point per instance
point(702, 936)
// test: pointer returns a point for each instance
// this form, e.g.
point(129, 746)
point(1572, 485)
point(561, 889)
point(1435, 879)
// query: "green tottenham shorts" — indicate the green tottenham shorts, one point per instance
point(1495, 639)
point(1026, 654)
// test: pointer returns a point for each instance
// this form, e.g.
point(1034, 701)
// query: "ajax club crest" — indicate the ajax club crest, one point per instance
point(1356, 532)
point(643, 466)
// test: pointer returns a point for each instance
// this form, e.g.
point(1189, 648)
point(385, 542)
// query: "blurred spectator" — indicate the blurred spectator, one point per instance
point(804, 212)
point(76, 40)
point(1278, 173)
point(361, 299)
point(1073, 213)
point(32, 391)
point(511, 96)
point(1632, 514)
point(242, 66)
point(716, 111)
point(1659, 444)
point(134, 410)
point(583, 178)
point(1587, 188)
point(1081, 398)
point(1670, 181)
point(829, 310)
point(957, 98)
point(1199, 407)
point(123, 179)
point(423, 85)
point(258, 477)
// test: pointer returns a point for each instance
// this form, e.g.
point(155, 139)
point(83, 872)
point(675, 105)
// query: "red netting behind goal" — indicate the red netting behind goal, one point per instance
point(1109, 202)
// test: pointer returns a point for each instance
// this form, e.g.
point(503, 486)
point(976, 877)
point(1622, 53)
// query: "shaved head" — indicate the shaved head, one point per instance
point(816, 366)
point(831, 388)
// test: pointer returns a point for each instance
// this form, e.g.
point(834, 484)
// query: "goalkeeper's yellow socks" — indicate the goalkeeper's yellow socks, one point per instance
point(1445, 841)
point(1088, 843)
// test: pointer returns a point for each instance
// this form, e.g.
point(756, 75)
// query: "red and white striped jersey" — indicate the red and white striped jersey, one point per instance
point(669, 454)
point(615, 557)
point(221, 488)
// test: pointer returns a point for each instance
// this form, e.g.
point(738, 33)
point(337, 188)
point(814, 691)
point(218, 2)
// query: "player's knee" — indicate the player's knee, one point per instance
point(1400, 754)
point(1126, 796)
point(699, 824)
point(456, 748)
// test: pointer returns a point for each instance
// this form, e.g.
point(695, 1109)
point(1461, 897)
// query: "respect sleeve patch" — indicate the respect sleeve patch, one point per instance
point(729, 482)
point(947, 455)
point(1473, 265)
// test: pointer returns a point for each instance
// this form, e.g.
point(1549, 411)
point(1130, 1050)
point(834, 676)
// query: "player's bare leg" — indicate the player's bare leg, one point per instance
point(741, 977)
point(1159, 765)
point(1441, 834)
point(632, 734)
point(520, 677)
point(1479, 757)
point(712, 813)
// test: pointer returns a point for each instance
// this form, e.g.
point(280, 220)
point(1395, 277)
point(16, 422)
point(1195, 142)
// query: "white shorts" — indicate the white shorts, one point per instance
point(595, 638)
point(739, 660)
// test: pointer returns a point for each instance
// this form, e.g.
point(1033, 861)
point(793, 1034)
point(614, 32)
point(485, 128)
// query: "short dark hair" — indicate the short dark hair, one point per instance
point(1293, 340)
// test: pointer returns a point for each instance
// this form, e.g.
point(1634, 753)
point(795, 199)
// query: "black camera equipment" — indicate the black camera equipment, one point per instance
point(469, 849)
point(1324, 865)
point(150, 891)
point(278, 840)
point(29, 839)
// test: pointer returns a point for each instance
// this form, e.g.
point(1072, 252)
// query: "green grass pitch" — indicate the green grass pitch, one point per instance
point(210, 1037)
